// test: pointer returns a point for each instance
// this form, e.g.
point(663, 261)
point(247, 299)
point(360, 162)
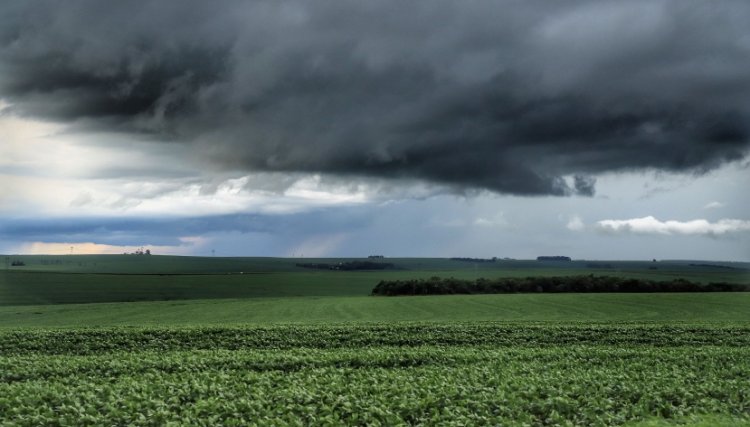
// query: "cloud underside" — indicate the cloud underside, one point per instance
point(651, 225)
point(514, 97)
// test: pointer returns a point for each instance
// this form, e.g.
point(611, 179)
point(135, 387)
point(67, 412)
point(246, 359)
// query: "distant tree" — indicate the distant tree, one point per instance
point(580, 284)
point(553, 258)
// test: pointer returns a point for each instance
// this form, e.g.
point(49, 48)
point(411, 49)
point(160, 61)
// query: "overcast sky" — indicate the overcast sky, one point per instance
point(593, 129)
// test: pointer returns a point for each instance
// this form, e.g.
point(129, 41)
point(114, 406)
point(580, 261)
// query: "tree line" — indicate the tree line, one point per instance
point(477, 260)
point(348, 266)
point(572, 284)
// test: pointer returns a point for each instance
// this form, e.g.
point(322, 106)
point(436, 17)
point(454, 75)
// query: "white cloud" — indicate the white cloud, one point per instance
point(575, 224)
point(491, 221)
point(50, 170)
point(713, 205)
point(651, 225)
point(498, 220)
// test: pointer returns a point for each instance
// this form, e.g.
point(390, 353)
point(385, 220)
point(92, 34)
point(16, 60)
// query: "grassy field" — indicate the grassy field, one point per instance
point(712, 307)
point(137, 340)
point(85, 279)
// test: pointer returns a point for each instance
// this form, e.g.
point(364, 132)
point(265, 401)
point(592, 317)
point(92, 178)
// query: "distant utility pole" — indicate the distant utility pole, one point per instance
point(213, 252)
point(71, 250)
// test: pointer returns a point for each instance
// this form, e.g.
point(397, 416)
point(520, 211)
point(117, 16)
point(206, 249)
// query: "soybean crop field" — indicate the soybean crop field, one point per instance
point(378, 374)
point(151, 340)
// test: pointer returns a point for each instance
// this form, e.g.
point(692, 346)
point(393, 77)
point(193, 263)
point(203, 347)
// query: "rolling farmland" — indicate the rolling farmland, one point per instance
point(160, 340)
point(128, 278)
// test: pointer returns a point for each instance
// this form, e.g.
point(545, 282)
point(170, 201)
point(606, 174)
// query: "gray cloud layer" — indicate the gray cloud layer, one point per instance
point(508, 96)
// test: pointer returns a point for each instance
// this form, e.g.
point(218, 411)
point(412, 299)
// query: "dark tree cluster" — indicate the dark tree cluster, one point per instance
point(725, 267)
point(139, 252)
point(348, 266)
point(567, 284)
point(493, 259)
point(553, 258)
point(17, 264)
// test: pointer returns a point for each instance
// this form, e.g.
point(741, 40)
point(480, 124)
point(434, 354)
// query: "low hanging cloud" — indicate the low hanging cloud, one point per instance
point(651, 225)
point(713, 205)
point(527, 98)
point(575, 224)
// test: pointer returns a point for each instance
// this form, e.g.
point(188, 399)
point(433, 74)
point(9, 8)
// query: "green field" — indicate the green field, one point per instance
point(137, 340)
point(128, 278)
point(713, 307)
point(382, 374)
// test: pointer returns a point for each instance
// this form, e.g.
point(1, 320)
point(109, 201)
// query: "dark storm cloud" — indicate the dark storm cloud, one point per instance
point(584, 185)
point(509, 96)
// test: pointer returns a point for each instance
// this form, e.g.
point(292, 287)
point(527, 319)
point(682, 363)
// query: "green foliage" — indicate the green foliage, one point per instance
point(540, 284)
point(706, 307)
point(700, 420)
point(413, 374)
point(95, 341)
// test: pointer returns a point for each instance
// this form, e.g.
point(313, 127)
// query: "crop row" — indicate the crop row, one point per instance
point(492, 334)
point(375, 374)
point(579, 385)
